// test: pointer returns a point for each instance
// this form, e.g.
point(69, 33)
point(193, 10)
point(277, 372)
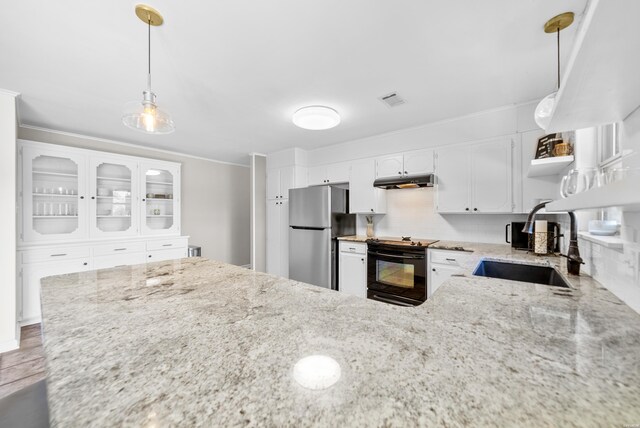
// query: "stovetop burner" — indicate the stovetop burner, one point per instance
point(404, 241)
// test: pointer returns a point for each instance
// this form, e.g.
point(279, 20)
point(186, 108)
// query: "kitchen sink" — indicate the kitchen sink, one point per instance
point(519, 272)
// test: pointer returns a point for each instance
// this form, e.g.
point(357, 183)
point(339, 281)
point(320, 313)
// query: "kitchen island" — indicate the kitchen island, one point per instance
point(198, 342)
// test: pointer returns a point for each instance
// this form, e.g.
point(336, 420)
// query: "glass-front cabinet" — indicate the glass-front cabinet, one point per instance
point(77, 194)
point(114, 192)
point(160, 201)
point(54, 195)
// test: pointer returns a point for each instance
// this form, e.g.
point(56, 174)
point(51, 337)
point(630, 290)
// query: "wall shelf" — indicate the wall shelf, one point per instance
point(622, 193)
point(613, 242)
point(549, 166)
point(601, 83)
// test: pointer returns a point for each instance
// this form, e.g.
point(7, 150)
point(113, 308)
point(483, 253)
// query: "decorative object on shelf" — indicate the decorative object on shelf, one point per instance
point(316, 118)
point(578, 180)
point(544, 109)
point(369, 219)
point(546, 145)
point(145, 116)
point(156, 211)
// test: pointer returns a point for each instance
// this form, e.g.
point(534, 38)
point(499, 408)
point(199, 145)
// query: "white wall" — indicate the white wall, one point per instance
point(9, 334)
point(215, 196)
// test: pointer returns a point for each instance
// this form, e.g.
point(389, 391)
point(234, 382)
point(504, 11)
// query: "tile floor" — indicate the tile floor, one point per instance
point(24, 366)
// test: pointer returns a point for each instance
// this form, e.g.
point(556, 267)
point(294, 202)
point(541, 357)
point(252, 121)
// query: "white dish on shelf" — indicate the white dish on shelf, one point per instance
point(603, 227)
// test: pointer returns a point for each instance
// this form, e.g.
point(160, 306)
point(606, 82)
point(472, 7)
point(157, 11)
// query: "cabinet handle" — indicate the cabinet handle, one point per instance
point(58, 255)
point(399, 172)
point(143, 199)
point(406, 173)
point(149, 255)
point(362, 260)
point(81, 197)
point(167, 245)
point(433, 269)
point(451, 260)
point(85, 263)
point(475, 209)
point(371, 209)
point(93, 197)
point(466, 209)
point(352, 249)
point(119, 249)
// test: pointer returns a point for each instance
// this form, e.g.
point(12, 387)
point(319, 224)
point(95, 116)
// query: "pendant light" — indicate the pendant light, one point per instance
point(545, 107)
point(145, 116)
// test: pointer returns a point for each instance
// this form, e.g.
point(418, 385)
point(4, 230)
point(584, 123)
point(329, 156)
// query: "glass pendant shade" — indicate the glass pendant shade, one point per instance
point(145, 116)
point(316, 118)
point(544, 109)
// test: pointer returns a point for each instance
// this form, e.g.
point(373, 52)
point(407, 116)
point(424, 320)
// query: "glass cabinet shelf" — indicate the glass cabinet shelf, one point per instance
point(165, 183)
point(57, 174)
point(160, 216)
point(55, 195)
point(55, 216)
point(124, 180)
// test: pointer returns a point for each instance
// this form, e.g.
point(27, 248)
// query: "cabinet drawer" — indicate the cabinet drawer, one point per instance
point(353, 247)
point(171, 254)
point(119, 248)
point(123, 259)
point(447, 257)
point(48, 255)
point(166, 244)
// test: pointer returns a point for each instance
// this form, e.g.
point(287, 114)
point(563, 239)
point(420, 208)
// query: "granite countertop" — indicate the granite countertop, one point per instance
point(198, 342)
point(353, 238)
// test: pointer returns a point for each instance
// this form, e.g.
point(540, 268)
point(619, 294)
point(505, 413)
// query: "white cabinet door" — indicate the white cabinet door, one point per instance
point(287, 181)
point(338, 172)
point(363, 197)
point(353, 274)
point(491, 180)
point(31, 276)
point(161, 255)
point(160, 207)
point(317, 175)
point(273, 183)
point(54, 194)
point(114, 193)
point(418, 163)
point(390, 166)
point(283, 207)
point(273, 237)
point(439, 274)
point(453, 173)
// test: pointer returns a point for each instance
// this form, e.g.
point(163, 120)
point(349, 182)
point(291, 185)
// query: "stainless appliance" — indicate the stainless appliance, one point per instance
point(397, 270)
point(405, 182)
point(317, 216)
point(523, 241)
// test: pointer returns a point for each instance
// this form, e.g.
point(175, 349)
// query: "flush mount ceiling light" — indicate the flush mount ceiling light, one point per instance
point(145, 116)
point(316, 118)
point(545, 107)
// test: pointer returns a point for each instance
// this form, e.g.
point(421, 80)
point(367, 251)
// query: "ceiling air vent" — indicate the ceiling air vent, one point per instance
point(392, 100)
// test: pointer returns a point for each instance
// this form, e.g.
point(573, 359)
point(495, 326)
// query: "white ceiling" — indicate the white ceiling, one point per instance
point(231, 73)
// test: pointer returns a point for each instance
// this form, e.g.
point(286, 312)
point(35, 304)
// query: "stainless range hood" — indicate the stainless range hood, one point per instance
point(405, 182)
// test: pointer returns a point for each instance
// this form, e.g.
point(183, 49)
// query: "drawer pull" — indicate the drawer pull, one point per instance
point(352, 249)
point(167, 245)
point(451, 260)
point(119, 249)
point(58, 255)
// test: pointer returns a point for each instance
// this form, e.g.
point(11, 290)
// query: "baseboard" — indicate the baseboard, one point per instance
point(9, 345)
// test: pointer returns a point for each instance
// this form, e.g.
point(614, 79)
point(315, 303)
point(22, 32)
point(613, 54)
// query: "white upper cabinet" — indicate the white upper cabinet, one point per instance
point(363, 197)
point(600, 83)
point(75, 194)
point(160, 206)
point(114, 189)
point(54, 193)
point(411, 163)
point(476, 178)
point(279, 181)
point(329, 174)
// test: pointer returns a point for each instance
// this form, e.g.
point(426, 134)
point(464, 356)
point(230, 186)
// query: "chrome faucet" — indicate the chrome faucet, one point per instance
point(573, 255)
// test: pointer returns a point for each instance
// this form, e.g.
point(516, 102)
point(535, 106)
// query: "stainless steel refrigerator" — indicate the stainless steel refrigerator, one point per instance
point(317, 216)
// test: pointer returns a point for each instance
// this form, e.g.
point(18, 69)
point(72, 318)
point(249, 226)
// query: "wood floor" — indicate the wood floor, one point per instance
point(24, 366)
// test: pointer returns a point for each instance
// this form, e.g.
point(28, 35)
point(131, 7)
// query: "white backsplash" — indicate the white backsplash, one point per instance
point(412, 212)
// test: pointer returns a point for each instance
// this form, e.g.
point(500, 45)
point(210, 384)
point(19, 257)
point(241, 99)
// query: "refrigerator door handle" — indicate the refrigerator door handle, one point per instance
point(307, 228)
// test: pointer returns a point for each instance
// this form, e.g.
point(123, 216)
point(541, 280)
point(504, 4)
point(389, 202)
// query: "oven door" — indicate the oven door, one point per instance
point(397, 272)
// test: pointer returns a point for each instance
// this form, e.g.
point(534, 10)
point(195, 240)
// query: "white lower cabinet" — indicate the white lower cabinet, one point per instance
point(40, 262)
point(442, 265)
point(352, 268)
point(31, 276)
